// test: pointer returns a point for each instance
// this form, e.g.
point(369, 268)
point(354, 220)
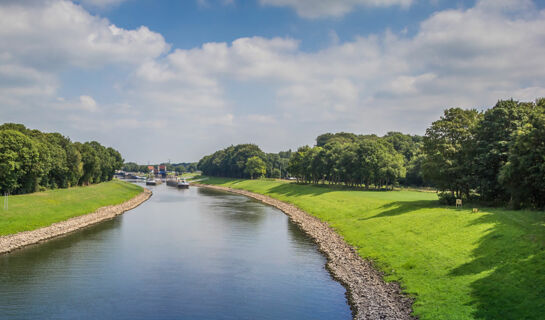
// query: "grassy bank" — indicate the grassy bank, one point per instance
point(457, 264)
point(40, 209)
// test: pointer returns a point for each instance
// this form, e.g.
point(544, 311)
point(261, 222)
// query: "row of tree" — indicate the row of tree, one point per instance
point(359, 160)
point(497, 156)
point(174, 167)
point(245, 161)
point(31, 160)
point(337, 158)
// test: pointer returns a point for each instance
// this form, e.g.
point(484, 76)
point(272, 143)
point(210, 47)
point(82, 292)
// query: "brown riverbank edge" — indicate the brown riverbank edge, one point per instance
point(370, 297)
point(18, 240)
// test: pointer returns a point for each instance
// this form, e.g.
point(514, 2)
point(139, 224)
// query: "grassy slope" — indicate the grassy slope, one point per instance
point(458, 264)
point(40, 209)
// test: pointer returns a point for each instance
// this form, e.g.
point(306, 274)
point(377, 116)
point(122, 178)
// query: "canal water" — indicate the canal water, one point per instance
point(183, 254)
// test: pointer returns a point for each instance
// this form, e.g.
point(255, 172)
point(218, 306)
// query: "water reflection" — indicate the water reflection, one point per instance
point(193, 254)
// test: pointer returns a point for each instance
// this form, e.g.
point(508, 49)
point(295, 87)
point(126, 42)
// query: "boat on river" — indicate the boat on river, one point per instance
point(172, 181)
point(151, 181)
point(183, 184)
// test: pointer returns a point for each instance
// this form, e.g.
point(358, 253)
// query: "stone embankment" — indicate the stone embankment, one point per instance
point(369, 296)
point(15, 241)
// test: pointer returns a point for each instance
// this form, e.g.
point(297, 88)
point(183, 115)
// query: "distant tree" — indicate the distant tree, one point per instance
point(255, 167)
point(131, 167)
point(296, 166)
point(341, 137)
point(231, 161)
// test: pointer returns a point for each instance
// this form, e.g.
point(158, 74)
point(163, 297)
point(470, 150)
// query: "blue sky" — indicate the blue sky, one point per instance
point(188, 24)
point(176, 80)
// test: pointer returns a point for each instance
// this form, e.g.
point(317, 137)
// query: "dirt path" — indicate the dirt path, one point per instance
point(369, 296)
point(15, 241)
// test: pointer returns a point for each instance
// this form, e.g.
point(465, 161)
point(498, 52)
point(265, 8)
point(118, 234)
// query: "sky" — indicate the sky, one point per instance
point(174, 80)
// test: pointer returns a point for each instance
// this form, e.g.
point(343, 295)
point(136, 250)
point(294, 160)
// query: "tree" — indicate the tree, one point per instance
point(255, 167)
point(493, 138)
point(341, 137)
point(296, 166)
point(231, 161)
point(523, 175)
point(19, 162)
point(447, 147)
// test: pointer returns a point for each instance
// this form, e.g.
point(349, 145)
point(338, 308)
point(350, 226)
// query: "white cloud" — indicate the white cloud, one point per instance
point(101, 3)
point(84, 103)
point(57, 34)
point(374, 83)
point(42, 39)
point(332, 8)
point(88, 103)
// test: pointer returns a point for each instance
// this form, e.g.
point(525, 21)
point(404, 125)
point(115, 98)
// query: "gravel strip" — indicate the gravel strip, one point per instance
point(369, 296)
point(15, 241)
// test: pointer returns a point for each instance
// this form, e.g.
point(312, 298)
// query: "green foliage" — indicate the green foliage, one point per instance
point(341, 137)
point(448, 145)
point(32, 211)
point(366, 160)
point(255, 167)
point(19, 162)
point(457, 264)
point(497, 155)
point(231, 161)
point(523, 174)
point(32, 160)
point(493, 138)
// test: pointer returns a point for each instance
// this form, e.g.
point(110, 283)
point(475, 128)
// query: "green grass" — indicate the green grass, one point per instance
point(455, 263)
point(40, 209)
point(190, 175)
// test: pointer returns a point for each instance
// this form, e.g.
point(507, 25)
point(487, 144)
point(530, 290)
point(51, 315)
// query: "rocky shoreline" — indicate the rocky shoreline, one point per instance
point(369, 296)
point(15, 241)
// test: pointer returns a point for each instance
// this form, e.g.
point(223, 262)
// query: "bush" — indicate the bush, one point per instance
point(447, 198)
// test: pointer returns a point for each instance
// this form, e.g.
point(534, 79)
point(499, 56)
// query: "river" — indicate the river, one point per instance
point(183, 254)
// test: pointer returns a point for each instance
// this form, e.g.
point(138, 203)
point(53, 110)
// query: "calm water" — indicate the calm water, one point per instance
point(183, 254)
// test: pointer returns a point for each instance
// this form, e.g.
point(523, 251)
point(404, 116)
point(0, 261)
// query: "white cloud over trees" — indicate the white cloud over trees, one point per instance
point(373, 83)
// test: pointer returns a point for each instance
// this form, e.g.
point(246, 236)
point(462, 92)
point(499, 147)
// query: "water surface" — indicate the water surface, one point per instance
point(183, 254)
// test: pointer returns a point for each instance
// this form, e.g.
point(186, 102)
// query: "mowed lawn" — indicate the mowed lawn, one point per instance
point(455, 263)
point(40, 209)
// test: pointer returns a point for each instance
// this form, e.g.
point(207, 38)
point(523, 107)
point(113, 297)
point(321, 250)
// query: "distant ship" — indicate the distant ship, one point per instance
point(172, 181)
point(150, 181)
point(183, 184)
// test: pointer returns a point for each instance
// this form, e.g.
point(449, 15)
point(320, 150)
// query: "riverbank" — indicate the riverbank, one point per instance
point(368, 294)
point(40, 216)
point(455, 263)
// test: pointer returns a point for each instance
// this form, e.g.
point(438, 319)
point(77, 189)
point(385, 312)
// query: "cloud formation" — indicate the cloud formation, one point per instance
point(222, 93)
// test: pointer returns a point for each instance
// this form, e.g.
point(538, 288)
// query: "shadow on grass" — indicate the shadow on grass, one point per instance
point(402, 207)
point(299, 189)
point(513, 254)
point(293, 189)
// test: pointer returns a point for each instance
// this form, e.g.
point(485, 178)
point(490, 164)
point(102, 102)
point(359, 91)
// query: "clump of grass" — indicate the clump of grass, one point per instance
point(458, 264)
point(32, 211)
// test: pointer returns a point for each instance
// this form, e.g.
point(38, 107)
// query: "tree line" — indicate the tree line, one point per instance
point(31, 160)
point(174, 167)
point(495, 156)
point(245, 161)
point(359, 160)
